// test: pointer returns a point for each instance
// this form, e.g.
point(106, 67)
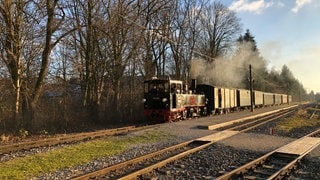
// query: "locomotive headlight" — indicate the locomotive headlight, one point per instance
point(164, 99)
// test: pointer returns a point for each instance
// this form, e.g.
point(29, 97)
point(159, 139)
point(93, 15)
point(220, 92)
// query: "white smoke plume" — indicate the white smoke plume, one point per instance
point(228, 72)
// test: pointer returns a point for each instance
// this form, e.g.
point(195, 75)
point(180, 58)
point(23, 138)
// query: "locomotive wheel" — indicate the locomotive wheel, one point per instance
point(184, 114)
point(205, 111)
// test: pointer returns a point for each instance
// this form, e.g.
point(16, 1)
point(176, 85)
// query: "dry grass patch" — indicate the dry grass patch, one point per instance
point(301, 119)
point(31, 166)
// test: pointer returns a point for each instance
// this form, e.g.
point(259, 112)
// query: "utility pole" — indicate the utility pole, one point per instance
point(251, 88)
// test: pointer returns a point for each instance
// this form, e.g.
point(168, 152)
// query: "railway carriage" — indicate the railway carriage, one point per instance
point(219, 99)
point(284, 99)
point(277, 99)
point(233, 100)
point(243, 98)
point(268, 99)
point(214, 98)
point(230, 100)
point(227, 105)
point(258, 98)
point(289, 99)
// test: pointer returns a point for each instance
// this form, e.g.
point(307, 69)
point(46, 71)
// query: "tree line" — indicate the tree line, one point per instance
point(66, 65)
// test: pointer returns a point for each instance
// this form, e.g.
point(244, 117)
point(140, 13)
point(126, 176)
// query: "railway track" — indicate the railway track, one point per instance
point(278, 164)
point(137, 167)
point(69, 138)
point(253, 123)
point(144, 164)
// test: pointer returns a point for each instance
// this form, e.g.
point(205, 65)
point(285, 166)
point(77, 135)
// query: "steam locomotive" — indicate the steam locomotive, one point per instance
point(167, 100)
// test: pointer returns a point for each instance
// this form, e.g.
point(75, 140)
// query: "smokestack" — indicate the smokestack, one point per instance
point(193, 85)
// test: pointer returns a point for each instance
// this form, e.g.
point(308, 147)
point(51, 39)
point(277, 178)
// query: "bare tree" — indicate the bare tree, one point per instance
point(154, 20)
point(52, 24)
point(123, 41)
point(220, 27)
point(11, 19)
point(107, 41)
point(183, 35)
point(91, 65)
point(14, 16)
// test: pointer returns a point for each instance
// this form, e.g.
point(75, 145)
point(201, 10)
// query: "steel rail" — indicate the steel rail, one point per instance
point(263, 120)
point(132, 161)
point(69, 138)
point(162, 163)
point(280, 173)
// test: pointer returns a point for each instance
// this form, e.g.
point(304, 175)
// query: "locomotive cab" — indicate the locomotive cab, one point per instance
point(156, 94)
point(160, 97)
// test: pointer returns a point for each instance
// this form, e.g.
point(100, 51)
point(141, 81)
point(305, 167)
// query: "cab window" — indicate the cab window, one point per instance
point(176, 88)
point(179, 88)
point(158, 87)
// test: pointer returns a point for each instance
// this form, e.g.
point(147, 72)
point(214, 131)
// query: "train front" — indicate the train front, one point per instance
point(157, 100)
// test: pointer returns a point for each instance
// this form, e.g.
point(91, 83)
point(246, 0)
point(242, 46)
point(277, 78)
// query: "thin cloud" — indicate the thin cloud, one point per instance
point(246, 6)
point(300, 4)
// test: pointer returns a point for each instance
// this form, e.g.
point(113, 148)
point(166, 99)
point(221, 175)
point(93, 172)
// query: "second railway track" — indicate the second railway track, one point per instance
point(142, 165)
point(68, 138)
point(279, 163)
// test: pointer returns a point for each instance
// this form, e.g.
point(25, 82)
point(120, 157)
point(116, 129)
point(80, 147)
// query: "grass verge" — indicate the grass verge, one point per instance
point(31, 166)
point(300, 120)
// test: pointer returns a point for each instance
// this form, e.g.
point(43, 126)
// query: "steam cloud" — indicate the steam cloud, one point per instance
point(228, 72)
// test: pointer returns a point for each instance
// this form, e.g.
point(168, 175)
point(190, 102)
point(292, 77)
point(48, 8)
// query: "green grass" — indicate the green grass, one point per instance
point(297, 122)
point(30, 166)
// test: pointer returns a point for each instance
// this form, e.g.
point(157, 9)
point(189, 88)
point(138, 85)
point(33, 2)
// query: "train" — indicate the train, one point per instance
point(167, 100)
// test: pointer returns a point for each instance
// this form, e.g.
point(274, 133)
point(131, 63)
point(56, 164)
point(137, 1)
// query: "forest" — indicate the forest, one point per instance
point(75, 65)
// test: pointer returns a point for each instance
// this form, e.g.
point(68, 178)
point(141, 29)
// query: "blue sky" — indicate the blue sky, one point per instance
point(286, 32)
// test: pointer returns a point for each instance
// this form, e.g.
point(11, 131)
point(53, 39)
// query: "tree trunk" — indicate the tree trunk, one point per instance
point(17, 99)
point(28, 111)
point(116, 100)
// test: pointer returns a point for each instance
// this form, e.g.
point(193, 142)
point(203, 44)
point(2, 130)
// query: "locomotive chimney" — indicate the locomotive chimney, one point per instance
point(193, 85)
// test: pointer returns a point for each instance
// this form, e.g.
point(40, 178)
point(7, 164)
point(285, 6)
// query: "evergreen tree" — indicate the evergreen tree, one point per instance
point(291, 85)
point(248, 37)
point(250, 54)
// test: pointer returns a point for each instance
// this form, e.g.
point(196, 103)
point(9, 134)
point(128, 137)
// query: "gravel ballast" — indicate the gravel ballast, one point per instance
point(206, 164)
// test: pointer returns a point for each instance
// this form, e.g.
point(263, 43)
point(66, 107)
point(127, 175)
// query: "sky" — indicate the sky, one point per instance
point(287, 32)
